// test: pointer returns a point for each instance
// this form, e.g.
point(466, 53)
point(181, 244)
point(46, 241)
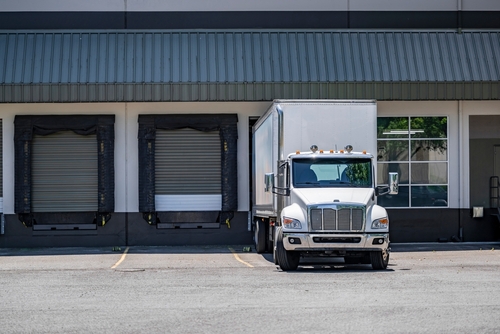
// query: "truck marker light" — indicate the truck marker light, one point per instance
point(331, 151)
point(364, 151)
point(320, 151)
point(297, 152)
point(341, 151)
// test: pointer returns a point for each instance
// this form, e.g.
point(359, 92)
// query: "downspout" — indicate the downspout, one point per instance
point(127, 211)
point(460, 168)
point(459, 16)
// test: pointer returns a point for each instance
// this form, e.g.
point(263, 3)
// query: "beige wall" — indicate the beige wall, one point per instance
point(126, 147)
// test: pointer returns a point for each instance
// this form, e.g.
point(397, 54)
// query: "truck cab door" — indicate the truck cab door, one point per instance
point(283, 185)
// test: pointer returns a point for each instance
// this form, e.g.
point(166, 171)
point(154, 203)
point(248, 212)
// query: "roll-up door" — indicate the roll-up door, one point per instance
point(64, 173)
point(187, 170)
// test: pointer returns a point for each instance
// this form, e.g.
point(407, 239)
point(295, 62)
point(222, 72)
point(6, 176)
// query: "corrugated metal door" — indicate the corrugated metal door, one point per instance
point(188, 170)
point(64, 173)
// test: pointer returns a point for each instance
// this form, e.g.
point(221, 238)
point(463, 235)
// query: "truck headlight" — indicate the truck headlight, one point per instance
point(291, 223)
point(382, 223)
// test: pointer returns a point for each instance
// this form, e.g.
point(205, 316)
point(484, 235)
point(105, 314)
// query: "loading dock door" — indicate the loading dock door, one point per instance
point(187, 170)
point(64, 173)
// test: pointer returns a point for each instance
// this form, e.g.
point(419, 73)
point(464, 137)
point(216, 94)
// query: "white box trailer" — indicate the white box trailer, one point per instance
point(314, 196)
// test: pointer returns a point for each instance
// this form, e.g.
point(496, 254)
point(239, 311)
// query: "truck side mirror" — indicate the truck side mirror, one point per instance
point(269, 182)
point(393, 183)
point(393, 187)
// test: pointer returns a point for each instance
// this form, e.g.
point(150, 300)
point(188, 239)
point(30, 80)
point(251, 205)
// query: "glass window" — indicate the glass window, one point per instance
point(429, 127)
point(429, 150)
point(331, 172)
point(392, 150)
point(392, 127)
point(402, 169)
point(416, 148)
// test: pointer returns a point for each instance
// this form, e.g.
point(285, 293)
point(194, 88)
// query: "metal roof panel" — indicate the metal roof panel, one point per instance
point(267, 57)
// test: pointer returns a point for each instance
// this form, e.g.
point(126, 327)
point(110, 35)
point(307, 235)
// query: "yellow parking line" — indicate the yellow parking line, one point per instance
point(238, 258)
point(121, 259)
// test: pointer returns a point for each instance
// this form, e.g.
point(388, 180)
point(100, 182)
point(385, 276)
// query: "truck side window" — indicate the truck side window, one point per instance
point(283, 175)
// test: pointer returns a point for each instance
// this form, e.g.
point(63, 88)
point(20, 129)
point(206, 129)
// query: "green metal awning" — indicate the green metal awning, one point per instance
point(142, 66)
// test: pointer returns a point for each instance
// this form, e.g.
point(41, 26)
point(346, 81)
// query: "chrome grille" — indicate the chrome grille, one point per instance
point(329, 219)
point(357, 219)
point(344, 219)
point(337, 218)
point(316, 219)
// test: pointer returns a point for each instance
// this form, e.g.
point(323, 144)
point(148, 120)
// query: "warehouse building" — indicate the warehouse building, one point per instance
point(128, 122)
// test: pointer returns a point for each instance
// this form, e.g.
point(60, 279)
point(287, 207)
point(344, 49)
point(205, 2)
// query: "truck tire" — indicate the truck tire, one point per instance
point(260, 236)
point(379, 260)
point(275, 257)
point(288, 261)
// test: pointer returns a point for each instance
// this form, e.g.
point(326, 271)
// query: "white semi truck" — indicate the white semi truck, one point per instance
point(314, 191)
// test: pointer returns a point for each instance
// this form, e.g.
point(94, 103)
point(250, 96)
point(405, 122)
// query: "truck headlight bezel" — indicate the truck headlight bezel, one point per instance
point(380, 224)
point(291, 223)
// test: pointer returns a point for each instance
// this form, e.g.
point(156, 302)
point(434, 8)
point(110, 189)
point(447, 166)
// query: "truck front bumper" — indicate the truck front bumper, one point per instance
point(321, 242)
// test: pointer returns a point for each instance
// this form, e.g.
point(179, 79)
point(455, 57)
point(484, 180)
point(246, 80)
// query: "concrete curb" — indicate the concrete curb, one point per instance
point(443, 246)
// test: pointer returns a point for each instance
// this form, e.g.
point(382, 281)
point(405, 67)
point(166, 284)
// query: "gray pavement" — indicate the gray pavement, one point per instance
point(427, 288)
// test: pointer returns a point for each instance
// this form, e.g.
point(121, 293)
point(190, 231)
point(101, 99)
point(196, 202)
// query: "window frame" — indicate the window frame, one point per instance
point(411, 186)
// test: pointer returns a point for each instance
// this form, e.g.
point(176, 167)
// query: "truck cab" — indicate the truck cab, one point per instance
point(329, 209)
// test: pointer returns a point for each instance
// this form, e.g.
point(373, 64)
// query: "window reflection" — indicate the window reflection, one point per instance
point(401, 200)
point(429, 127)
point(392, 127)
point(401, 168)
point(429, 196)
point(392, 150)
point(429, 173)
point(429, 150)
point(416, 148)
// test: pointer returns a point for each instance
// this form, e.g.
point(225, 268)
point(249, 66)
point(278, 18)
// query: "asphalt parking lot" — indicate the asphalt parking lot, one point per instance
point(427, 288)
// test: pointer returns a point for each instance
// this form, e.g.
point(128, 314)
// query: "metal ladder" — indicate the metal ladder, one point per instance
point(495, 195)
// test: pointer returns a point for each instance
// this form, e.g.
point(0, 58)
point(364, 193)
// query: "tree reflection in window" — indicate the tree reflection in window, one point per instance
point(416, 148)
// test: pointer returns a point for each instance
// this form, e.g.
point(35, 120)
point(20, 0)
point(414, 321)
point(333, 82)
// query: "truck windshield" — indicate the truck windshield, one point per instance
point(336, 172)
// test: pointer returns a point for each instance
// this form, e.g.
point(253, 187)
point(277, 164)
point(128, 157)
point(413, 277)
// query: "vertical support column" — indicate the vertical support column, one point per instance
point(147, 136)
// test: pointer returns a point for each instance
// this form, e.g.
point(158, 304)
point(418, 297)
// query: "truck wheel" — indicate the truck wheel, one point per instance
point(288, 261)
point(260, 236)
point(269, 240)
point(379, 260)
point(275, 257)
